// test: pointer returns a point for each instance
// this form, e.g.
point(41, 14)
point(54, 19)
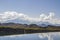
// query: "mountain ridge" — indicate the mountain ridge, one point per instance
point(27, 25)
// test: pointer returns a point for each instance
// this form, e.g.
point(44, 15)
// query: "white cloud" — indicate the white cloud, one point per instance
point(10, 15)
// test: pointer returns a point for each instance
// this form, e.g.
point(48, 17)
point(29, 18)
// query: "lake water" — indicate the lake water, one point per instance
point(36, 36)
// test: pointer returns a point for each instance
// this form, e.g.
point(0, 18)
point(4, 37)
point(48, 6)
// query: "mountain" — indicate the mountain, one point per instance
point(19, 25)
point(46, 24)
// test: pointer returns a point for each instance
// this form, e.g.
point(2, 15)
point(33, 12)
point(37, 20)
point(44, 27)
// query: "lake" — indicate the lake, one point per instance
point(35, 36)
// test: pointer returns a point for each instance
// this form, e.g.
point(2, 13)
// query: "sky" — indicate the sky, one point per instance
point(30, 11)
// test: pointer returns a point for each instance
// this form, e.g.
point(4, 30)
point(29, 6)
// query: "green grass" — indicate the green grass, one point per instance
point(49, 28)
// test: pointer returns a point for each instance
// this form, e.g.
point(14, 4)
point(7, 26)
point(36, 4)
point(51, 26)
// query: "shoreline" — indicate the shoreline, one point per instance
point(14, 31)
point(26, 34)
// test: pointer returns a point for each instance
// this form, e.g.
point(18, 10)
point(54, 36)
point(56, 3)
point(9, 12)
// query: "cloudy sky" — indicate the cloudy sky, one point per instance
point(33, 11)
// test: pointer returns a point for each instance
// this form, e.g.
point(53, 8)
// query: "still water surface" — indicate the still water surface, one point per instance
point(36, 36)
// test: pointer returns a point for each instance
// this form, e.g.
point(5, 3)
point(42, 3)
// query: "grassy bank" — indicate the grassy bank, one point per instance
point(12, 30)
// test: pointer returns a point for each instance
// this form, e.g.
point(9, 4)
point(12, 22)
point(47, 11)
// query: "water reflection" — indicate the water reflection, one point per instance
point(50, 36)
point(37, 36)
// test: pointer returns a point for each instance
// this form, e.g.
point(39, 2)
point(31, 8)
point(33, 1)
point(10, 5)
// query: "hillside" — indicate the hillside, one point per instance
point(15, 28)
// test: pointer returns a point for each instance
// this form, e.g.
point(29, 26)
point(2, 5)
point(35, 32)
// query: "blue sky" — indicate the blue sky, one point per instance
point(32, 8)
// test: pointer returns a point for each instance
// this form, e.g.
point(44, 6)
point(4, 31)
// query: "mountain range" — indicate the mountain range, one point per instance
point(17, 25)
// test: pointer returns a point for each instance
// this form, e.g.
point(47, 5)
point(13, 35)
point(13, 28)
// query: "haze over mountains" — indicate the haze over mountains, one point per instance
point(19, 25)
